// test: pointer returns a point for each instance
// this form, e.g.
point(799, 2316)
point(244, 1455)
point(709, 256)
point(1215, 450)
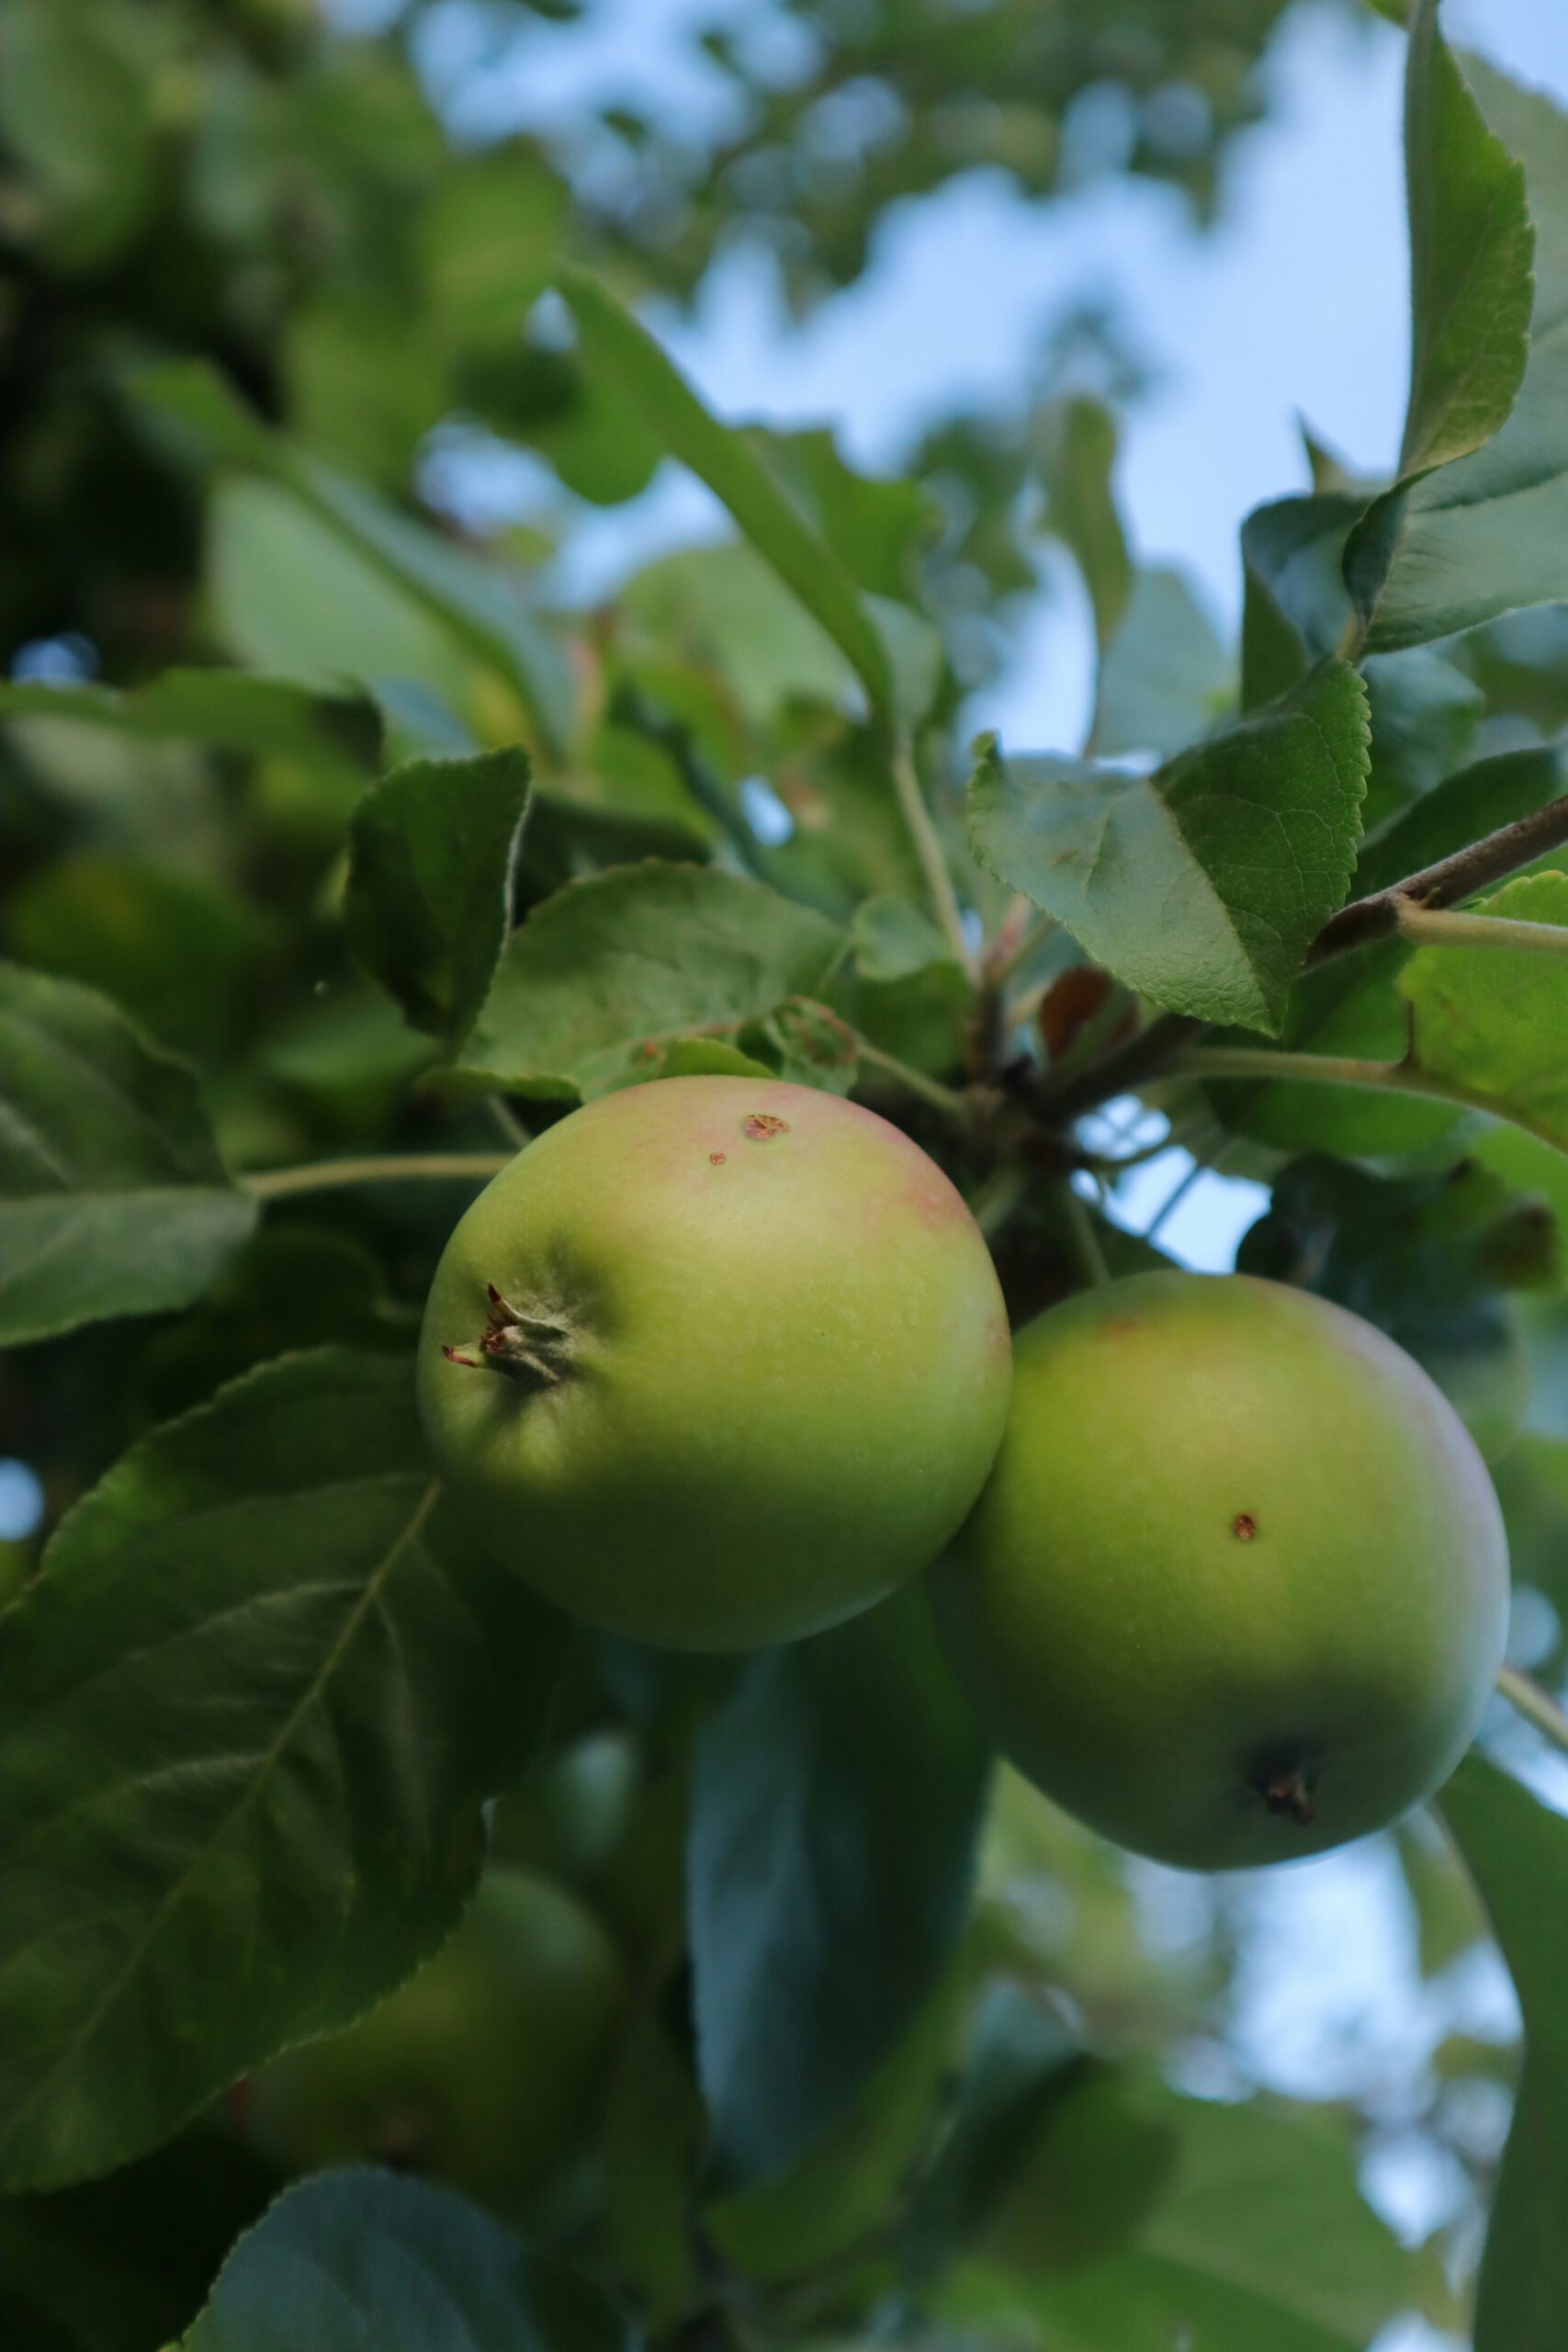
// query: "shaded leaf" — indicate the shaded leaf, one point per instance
point(182, 955)
point(360, 2257)
point(1166, 678)
point(1494, 1020)
point(875, 525)
point(76, 108)
point(1246, 2229)
point(431, 853)
point(116, 1201)
point(1077, 456)
point(1424, 712)
point(850, 2187)
point(615, 344)
point(1430, 1260)
point(1203, 885)
point(474, 601)
point(232, 708)
point(907, 993)
point(835, 1805)
point(253, 1704)
point(487, 234)
point(616, 966)
point(291, 1286)
point(1295, 603)
point(1018, 2056)
point(1518, 1854)
point(653, 2141)
point(124, 2263)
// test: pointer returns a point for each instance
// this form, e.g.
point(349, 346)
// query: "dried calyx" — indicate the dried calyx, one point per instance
point(535, 1349)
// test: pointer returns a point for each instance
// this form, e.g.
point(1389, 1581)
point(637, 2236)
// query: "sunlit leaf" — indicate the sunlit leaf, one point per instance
point(613, 968)
point(1494, 1020)
point(1202, 885)
point(614, 342)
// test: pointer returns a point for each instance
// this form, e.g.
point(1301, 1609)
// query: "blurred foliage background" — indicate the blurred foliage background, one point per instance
point(336, 223)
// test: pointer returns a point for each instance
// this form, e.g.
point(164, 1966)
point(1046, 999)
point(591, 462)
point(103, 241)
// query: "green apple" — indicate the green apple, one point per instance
point(1238, 1588)
point(484, 2069)
point(715, 1362)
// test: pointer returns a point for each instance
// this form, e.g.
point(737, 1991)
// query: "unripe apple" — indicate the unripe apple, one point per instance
point(1238, 1588)
point(715, 1362)
point(484, 2069)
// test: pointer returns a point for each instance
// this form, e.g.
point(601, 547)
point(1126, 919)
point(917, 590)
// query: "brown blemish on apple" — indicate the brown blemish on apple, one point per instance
point(715, 1159)
point(760, 1126)
point(1243, 1527)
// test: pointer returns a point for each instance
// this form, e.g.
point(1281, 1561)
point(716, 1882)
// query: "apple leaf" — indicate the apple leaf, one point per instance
point(234, 709)
point(1470, 249)
point(835, 1805)
point(1353, 1005)
point(1202, 885)
point(1493, 1020)
point(113, 1198)
point(1166, 678)
point(1429, 1259)
point(253, 1704)
point(625, 354)
point(614, 968)
point(1144, 2220)
point(1078, 454)
point(1487, 532)
point(1295, 603)
point(431, 853)
point(1517, 1855)
point(470, 600)
point(1424, 711)
point(362, 2257)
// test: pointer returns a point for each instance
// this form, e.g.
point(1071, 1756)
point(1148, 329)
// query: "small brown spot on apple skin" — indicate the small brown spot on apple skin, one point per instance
point(761, 1127)
point(1243, 1527)
point(1117, 1327)
point(716, 1158)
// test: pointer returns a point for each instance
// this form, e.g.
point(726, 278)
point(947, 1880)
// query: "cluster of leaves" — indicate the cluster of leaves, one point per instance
point(392, 857)
point(236, 184)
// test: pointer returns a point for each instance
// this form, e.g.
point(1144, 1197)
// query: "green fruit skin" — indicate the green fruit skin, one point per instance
point(1150, 1663)
point(789, 1362)
point(485, 2070)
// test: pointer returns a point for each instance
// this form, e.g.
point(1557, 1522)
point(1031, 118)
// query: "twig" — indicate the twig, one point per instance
point(1362, 922)
point(929, 850)
point(1082, 1239)
point(392, 1167)
point(945, 1099)
point(1535, 1704)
